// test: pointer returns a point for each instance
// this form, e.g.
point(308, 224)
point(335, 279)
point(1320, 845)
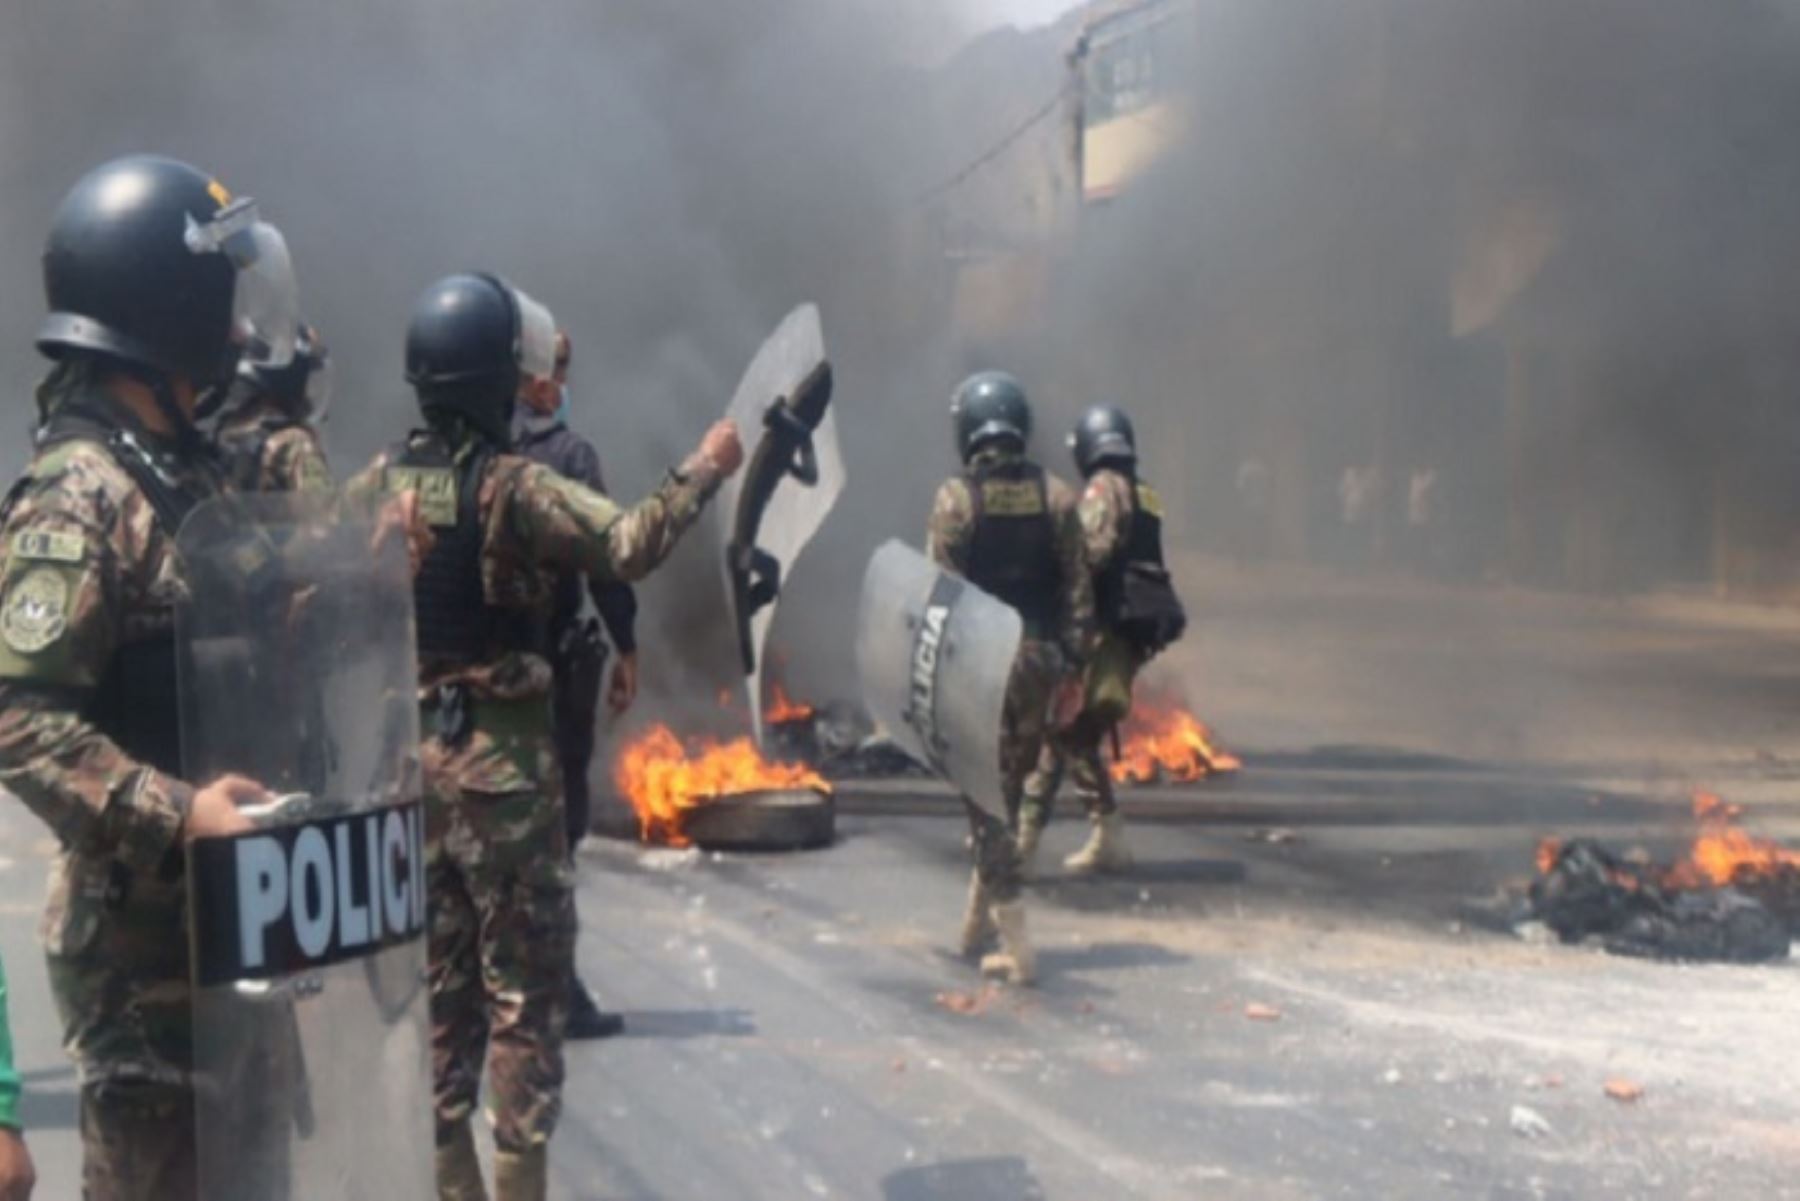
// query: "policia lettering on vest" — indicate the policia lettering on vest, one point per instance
point(1010, 528)
point(497, 869)
point(1138, 616)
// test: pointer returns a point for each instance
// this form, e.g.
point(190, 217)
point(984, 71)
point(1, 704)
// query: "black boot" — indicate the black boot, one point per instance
point(586, 1019)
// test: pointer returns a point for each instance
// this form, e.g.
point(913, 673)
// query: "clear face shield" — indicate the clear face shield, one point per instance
point(537, 338)
point(265, 316)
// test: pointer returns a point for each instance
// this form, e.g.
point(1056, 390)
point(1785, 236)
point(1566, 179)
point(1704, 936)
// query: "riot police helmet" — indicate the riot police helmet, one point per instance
point(988, 407)
point(1103, 436)
point(473, 338)
point(153, 265)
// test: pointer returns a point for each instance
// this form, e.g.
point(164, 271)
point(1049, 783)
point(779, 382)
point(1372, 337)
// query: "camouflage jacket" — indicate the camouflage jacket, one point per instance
point(1106, 512)
point(87, 568)
point(268, 451)
point(951, 529)
point(537, 526)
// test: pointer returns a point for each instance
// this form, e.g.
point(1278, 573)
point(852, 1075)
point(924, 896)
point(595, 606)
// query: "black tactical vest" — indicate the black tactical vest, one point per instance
point(136, 704)
point(456, 625)
point(1012, 553)
point(1134, 594)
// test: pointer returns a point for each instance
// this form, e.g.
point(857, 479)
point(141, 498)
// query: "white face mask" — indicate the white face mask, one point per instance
point(562, 403)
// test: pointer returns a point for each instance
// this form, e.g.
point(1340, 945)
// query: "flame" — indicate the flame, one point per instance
point(1162, 740)
point(1725, 853)
point(782, 708)
point(1548, 850)
point(664, 778)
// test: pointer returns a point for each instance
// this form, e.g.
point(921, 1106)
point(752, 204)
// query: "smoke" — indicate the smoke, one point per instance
point(1535, 249)
point(1538, 249)
point(670, 179)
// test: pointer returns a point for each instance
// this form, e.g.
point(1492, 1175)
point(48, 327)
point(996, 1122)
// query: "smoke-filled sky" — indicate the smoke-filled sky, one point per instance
point(1299, 296)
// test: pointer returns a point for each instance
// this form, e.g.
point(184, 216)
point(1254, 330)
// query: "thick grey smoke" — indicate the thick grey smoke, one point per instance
point(669, 178)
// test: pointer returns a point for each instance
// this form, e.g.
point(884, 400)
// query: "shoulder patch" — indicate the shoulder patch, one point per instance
point(1149, 501)
point(49, 546)
point(436, 487)
point(1011, 498)
point(35, 612)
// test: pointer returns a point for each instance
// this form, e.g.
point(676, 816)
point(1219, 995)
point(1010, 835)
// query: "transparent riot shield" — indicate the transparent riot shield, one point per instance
point(934, 653)
point(311, 1030)
point(769, 511)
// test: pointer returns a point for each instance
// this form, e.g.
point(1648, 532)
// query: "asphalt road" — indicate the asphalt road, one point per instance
point(799, 1028)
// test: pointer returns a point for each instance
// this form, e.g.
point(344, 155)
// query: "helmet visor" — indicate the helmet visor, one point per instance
point(537, 337)
point(265, 310)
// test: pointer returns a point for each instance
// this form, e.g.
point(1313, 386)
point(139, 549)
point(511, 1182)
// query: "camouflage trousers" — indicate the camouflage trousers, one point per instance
point(137, 1142)
point(502, 945)
point(1078, 750)
point(1024, 720)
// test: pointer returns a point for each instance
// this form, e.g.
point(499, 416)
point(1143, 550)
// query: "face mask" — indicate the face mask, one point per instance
point(562, 404)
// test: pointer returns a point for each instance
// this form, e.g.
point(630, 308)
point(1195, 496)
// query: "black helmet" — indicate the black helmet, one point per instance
point(989, 405)
point(1103, 435)
point(143, 265)
point(302, 386)
point(471, 338)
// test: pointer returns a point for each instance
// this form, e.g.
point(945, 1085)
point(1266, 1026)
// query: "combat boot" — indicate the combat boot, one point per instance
point(459, 1168)
point(522, 1175)
point(978, 921)
point(1105, 849)
point(1015, 961)
point(586, 1019)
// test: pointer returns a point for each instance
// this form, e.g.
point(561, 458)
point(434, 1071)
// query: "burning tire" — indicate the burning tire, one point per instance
point(797, 819)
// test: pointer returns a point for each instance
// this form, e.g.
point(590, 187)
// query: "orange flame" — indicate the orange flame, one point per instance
point(1162, 740)
point(783, 708)
point(1548, 849)
point(1724, 853)
point(664, 779)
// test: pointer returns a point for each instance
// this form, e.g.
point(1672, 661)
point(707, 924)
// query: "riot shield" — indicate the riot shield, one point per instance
point(771, 510)
point(311, 1024)
point(934, 654)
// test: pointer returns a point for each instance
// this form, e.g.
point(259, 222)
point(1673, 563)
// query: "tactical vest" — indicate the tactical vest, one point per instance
point(136, 704)
point(1012, 553)
point(245, 449)
point(456, 625)
point(1134, 595)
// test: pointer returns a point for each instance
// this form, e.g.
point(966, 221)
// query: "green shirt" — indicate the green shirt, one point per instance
point(9, 1078)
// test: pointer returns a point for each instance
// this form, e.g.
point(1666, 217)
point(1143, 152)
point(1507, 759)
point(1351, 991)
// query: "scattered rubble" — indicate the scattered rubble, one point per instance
point(1529, 1123)
point(1256, 1011)
point(1626, 1092)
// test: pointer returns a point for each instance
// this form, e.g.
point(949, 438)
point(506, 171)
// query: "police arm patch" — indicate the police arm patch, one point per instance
point(35, 613)
point(49, 546)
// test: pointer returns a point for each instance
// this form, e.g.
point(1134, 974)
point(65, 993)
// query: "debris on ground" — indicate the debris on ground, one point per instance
point(1528, 1123)
point(669, 859)
point(968, 1002)
point(1275, 836)
point(1626, 1092)
point(1585, 891)
point(1256, 1011)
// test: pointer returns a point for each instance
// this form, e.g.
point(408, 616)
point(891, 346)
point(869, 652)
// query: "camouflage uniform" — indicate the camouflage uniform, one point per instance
point(88, 580)
point(1047, 646)
point(268, 450)
point(502, 906)
point(1106, 511)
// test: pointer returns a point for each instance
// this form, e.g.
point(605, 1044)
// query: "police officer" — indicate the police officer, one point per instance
point(502, 911)
point(1138, 615)
point(542, 434)
point(269, 418)
point(147, 273)
point(1010, 528)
